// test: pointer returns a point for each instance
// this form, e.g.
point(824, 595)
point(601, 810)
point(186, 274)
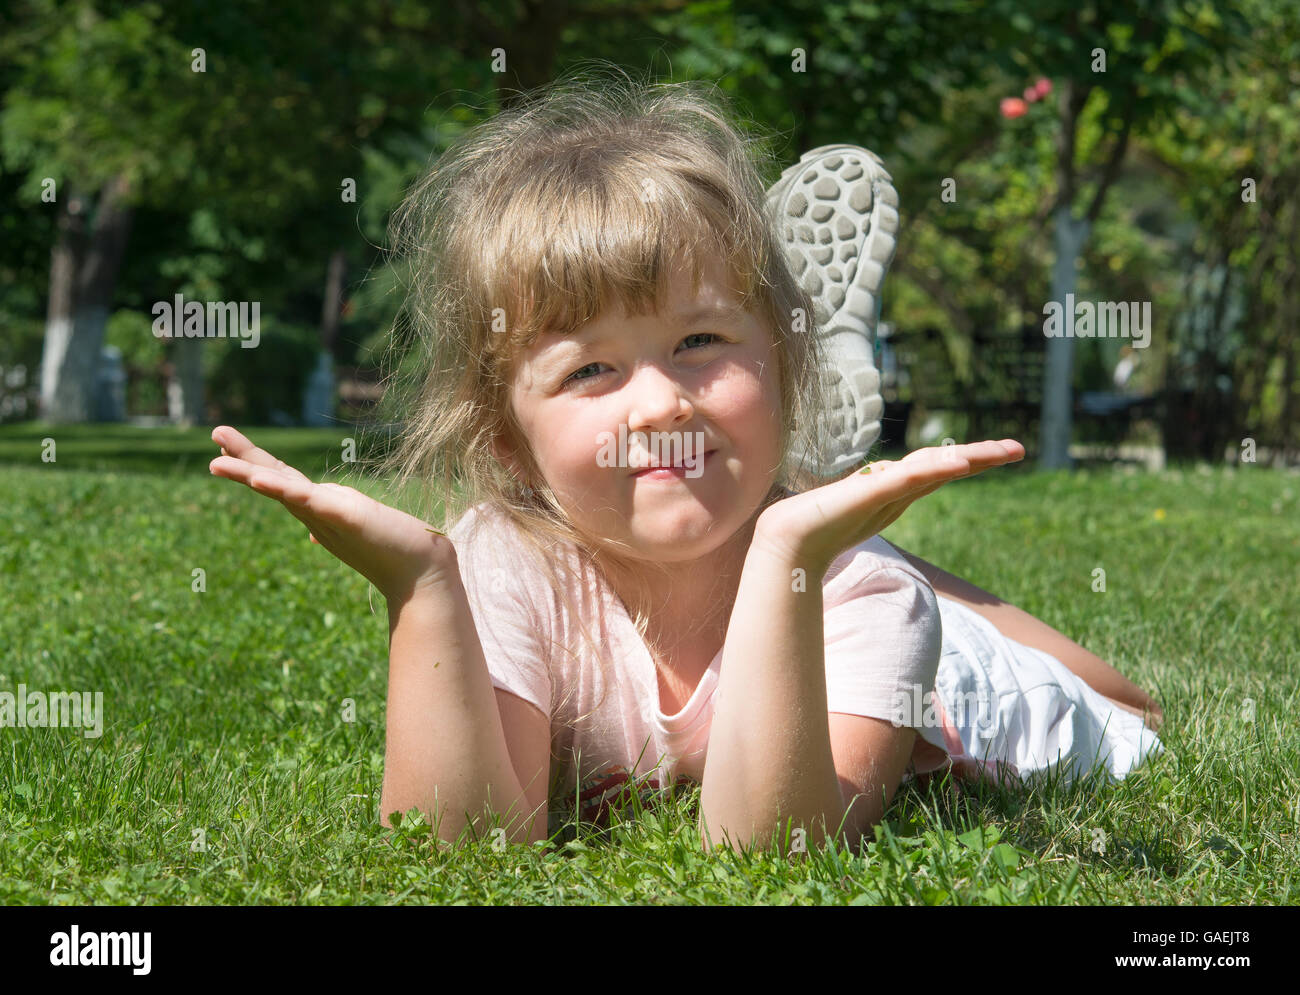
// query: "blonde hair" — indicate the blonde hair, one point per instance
point(534, 220)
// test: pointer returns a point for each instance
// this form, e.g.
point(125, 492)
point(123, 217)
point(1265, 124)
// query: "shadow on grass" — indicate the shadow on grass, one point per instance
point(948, 802)
point(115, 448)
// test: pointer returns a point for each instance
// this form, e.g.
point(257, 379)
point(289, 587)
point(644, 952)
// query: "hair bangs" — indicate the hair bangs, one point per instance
point(581, 235)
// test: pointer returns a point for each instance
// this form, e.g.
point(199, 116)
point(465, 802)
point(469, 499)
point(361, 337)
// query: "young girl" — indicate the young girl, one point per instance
point(636, 582)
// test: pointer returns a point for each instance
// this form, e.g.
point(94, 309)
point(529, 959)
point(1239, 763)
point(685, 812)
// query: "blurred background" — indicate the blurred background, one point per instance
point(1137, 152)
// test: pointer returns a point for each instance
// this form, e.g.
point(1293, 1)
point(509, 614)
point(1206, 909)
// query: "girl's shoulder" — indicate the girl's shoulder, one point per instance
point(479, 535)
point(485, 528)
point(471, 521)
point(489, 544)
point(492, 549)
point(854, 565)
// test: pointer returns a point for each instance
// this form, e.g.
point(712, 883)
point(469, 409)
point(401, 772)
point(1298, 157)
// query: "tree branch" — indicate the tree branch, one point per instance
point(941, 292)
point(1073, 99)
point(981, 142)
point(1111, 169)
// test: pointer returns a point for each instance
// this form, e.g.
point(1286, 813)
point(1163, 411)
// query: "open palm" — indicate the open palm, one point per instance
point(395, 551)
point(816, 526)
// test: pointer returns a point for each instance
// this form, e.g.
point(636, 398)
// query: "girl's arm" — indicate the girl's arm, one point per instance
point(446, 751)
point(775, 753)
point(770, 756)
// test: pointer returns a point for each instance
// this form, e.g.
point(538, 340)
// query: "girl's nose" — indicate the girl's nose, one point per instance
point(657, 400)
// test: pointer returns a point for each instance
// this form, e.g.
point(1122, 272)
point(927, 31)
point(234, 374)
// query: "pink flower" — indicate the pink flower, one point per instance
point(1031, 93)
point(1013, 107)
point(1043, 86)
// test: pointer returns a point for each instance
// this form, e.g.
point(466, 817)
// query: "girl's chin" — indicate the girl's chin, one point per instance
point(678, 540)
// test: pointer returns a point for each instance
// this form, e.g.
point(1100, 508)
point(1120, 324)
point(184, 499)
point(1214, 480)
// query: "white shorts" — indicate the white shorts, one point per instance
point(1008, 711)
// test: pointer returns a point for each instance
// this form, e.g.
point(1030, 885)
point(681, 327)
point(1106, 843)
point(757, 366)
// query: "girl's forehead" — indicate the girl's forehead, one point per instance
point(677, 298)
point(680, 298)
point(679, 301)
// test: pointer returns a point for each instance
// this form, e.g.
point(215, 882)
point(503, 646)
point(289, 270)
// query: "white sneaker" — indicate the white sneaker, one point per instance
point(836, 213)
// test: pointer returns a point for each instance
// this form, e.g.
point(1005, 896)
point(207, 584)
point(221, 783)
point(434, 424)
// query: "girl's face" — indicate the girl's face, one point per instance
point(697, 381)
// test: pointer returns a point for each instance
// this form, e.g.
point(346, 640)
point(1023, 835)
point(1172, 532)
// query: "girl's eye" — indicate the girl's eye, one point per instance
point(701, 335)
point(575, 377)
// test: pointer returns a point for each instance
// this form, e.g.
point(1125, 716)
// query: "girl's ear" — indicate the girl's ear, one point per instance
point(505, 456)
point(500, 453)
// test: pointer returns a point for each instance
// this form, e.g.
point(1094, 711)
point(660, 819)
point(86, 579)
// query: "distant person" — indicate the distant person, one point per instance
point(1128, 362)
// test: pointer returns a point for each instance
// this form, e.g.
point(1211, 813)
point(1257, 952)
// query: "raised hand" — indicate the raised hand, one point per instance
point(395, 551)
point(816, 526)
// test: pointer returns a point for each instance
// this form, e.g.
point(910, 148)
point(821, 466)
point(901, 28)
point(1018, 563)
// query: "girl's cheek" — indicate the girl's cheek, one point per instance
point(737, 392)
point(579, 442)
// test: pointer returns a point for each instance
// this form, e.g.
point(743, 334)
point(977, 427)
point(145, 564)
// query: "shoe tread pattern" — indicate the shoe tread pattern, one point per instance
point(836, 215)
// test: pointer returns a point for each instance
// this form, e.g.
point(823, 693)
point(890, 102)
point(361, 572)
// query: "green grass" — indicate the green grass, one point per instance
point(223, 708)
point(125, 448)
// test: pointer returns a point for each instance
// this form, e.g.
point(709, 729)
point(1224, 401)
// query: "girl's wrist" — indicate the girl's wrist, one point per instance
point(436, 584)
point(776, 538)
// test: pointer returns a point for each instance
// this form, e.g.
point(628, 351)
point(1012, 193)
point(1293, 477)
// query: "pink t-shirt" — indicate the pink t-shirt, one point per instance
point(883, 639)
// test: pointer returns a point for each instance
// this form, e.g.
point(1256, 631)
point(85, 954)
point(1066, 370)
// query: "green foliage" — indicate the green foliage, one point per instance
point(1232, 155)
point(250, 384)
point(238, 170)
point(96, 95)
point(132, 333)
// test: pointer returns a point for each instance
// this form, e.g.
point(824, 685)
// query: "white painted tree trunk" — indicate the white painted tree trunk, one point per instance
point(68, 364)
point(318, 393)
point(84, 263)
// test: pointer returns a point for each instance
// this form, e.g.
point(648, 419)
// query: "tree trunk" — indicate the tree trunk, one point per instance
point(185, 402)
point(1058, 372)
point(84, 264)
point(1287, 312)
point(531, 44)
point(319, 393)
point(330, 308)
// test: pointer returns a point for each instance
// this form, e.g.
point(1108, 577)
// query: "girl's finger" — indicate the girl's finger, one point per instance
point(990, 453)
point(269, 477)
point(981, 454)
point(315, 505)
point(909, 479)
point(272, 482)
point(955, 466)
point(236, 444)
point(318, 506)
point(281, 486)
point(953, 462)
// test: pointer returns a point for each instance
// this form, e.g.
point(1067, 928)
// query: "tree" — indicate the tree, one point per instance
point(222, 116)
point(1232, 156)
point(79, 70)
point(1141, 59)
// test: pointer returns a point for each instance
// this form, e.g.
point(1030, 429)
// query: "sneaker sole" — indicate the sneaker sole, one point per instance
point(836, 215)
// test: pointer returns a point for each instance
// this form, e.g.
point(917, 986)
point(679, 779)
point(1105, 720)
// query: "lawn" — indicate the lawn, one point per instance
point(226, 772)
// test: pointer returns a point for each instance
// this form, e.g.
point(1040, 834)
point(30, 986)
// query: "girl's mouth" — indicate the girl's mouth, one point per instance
point(675, 472)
